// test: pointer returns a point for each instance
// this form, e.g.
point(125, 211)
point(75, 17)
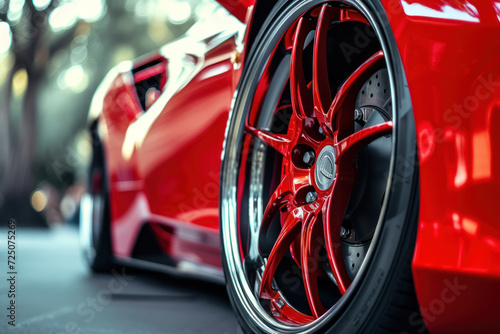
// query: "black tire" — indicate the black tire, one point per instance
point(383, 300)
point(96, 235)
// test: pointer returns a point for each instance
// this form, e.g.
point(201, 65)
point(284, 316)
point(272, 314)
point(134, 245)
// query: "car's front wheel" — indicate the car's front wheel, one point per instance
point(319, 187)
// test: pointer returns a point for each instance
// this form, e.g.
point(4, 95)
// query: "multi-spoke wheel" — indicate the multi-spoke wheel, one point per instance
point(95, 236)
point(317, 219)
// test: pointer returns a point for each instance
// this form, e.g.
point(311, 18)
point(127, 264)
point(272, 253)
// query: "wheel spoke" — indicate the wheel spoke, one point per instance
point(283, 311)
point(321, 86)
point(289, 231)
point(345, 98)
point(281, 196)
point(280, 143)
point(302, 100)
point(352, 15)
point(295, 251)
point(301, 178)
point(310, 247)
point(333, 216)
point(350, 146)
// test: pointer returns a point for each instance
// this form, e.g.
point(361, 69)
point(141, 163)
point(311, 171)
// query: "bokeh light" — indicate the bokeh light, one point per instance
point(15, 11)
point(63, 17)
point(39, 200)
point(74, 78)
point(5, 37)
point(19, 82)
point(90, 10)
point(41, 4)
point(179, 12)
point(69, 12)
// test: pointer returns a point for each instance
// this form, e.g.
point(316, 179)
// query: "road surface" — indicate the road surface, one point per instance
point(56, 293)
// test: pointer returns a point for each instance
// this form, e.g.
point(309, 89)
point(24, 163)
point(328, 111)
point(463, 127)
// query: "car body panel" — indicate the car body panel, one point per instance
point(172, 150)
point(164, 163)
point(238, 8)
point(450, 54)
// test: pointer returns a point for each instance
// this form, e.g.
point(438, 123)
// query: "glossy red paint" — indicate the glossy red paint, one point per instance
point(450, 54)
point(172, 150)
point(237, 7)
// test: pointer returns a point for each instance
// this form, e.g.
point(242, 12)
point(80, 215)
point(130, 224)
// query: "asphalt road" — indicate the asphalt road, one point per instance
point(56, 293)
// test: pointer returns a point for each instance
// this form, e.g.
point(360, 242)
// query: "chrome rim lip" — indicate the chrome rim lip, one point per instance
point(87, 226)
point(91, 219)
point(232, 147)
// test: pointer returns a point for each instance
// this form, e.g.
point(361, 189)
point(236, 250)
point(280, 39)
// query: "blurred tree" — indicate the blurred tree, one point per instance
point(30, 56)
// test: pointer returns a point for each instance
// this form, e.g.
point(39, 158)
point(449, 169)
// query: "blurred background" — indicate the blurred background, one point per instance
point(53, 55)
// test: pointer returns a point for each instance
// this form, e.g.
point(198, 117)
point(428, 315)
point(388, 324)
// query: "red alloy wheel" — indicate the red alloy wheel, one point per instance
point(321, 217)
point(314, 166)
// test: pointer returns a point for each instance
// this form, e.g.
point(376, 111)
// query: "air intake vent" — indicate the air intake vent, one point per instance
point(150, 79)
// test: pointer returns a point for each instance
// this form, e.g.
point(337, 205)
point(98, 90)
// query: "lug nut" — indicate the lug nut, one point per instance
point(358, 115)
point(280, 303)
point(344, 233)
point(308, 158)
point(311, 197)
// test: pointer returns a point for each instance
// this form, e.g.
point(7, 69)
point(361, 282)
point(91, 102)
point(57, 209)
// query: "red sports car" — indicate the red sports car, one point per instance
point(332, 161)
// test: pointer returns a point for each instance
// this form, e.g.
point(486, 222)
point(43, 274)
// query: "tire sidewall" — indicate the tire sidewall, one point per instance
point(99, 257)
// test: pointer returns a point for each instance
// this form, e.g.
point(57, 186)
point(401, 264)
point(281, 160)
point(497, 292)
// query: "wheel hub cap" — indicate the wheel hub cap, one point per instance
point(325, 168)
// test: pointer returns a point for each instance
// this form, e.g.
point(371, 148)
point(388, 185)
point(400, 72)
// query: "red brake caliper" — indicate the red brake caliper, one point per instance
point(315, 211)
